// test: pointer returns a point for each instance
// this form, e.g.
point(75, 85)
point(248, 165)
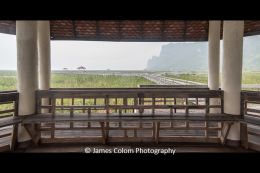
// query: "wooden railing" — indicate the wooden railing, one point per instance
point(147, 115)
point(250, 127)
point(8, 110)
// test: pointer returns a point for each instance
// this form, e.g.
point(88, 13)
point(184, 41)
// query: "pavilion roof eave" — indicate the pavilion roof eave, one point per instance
point(131, 30)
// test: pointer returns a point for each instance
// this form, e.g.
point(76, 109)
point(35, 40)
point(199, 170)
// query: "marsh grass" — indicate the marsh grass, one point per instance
point(96, 81)
point(8, 81)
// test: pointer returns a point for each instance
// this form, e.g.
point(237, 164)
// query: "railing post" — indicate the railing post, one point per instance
point(15, 126)
point(242, 106)
point(244, 135)
point(141, 102)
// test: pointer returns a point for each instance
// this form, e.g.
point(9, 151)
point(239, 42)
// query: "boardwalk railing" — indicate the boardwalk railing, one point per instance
point(250, 129)
point(175, 86)
point(8, 110)
point(127, 115)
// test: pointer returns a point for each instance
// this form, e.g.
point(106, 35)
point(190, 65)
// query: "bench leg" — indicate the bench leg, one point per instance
point(103, 132)
point(31, 129)
point(14, 137)
point(156, 132)
point(226, 134)
point(244, 135)
point(107, 131)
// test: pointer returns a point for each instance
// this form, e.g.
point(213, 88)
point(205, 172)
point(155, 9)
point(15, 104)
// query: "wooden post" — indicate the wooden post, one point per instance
point(157, 132)
point(244, 135)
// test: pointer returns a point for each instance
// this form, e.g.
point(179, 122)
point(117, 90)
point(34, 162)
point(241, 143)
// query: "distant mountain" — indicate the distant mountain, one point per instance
point(194, 56)
point(180, 57)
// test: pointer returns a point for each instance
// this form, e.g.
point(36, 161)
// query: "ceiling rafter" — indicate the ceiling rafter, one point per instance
point(142, 29)
point(74, 28)
point(185, 30)
point(120, 29)
point(163, 30)
point(97, 29)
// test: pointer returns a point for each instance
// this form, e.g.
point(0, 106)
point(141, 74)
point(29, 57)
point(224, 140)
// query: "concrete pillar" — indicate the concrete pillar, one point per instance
point(44, 59)
point(43, 36)
point(26, 37)
point(213, 62)
point(213, 57)
point(232, 72)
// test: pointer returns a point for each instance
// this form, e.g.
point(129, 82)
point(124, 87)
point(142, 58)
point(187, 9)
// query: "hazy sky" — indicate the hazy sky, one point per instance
point(92, 55)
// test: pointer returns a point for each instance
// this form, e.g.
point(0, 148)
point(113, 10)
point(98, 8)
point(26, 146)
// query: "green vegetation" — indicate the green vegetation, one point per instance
point(251, 78)
point(8, 81)
point(95, 81)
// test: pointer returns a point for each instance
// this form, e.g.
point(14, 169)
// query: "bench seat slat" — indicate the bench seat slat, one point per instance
point(132, 107)
point(252, 120)
point(127, 117)
point(10, 121)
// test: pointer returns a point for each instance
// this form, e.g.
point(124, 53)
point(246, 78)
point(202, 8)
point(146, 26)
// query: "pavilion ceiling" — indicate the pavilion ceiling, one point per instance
point(131, 30)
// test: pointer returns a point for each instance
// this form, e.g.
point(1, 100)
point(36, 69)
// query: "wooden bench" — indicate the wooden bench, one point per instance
point(102, 119)
point(172, 115)
point(250, 122)
point(9, 117)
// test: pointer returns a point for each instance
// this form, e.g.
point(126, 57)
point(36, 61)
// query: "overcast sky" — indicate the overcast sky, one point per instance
point(92, 55)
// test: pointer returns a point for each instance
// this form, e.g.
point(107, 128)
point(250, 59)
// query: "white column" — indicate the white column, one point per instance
point(232, 71)
point(26, 37)
point(44, 59)
point(43, 35)
point(213, 57)
point(213, 62)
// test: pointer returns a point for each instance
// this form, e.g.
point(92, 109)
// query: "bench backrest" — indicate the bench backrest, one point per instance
point(250, 105)
point(128, 100)
point(250, 111)
point(9, 103)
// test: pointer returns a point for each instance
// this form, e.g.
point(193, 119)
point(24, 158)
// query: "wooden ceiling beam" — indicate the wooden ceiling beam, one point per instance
point(120, 29)
point(185, 30)
point(142, 29)
point(162, 30)
point(74, 28)
point(97, 30)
